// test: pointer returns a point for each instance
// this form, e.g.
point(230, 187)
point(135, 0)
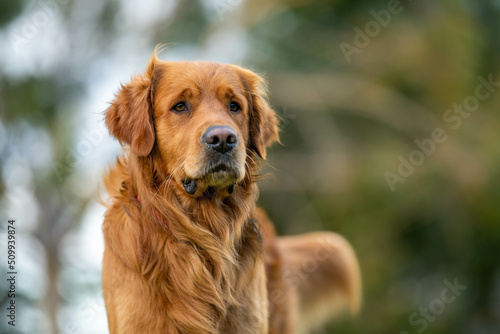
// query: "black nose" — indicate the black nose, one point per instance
point(220, 138)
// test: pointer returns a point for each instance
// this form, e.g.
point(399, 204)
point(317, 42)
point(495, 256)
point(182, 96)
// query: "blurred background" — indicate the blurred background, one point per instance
point(391, 134)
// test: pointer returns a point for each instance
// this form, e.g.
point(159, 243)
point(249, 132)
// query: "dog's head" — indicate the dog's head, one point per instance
point(203, 120)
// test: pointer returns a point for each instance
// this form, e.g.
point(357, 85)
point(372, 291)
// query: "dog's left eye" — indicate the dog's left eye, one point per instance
point(234, 107)
point(180, 107)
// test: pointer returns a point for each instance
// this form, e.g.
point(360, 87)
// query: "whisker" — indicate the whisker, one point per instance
point(180, 162)
point(265, 162)
point(147, 203)
point(249, 171)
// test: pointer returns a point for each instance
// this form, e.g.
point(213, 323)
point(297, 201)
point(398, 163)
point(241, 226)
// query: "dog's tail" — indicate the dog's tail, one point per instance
point(322, 271)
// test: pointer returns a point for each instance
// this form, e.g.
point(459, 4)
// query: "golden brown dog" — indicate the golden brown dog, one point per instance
point(187, 251)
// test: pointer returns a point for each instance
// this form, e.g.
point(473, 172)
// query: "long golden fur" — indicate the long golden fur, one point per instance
point(186, 249)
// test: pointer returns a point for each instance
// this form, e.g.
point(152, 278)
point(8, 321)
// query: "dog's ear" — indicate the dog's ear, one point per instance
point(263, 120)
point(129, 118)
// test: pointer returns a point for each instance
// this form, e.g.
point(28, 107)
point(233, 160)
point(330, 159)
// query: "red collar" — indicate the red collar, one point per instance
point(157, 215)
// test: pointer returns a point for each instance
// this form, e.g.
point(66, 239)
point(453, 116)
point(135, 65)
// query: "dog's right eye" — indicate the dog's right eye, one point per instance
point(180, 107)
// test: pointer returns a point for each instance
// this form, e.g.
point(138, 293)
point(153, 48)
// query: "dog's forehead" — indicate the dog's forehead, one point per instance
point(203, 75)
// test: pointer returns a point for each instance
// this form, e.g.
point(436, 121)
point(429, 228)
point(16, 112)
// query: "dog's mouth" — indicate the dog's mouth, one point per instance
point(218, 176)
point(221, 174)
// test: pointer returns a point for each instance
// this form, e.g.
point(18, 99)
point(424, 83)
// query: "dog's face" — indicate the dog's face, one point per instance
point(202, 118)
